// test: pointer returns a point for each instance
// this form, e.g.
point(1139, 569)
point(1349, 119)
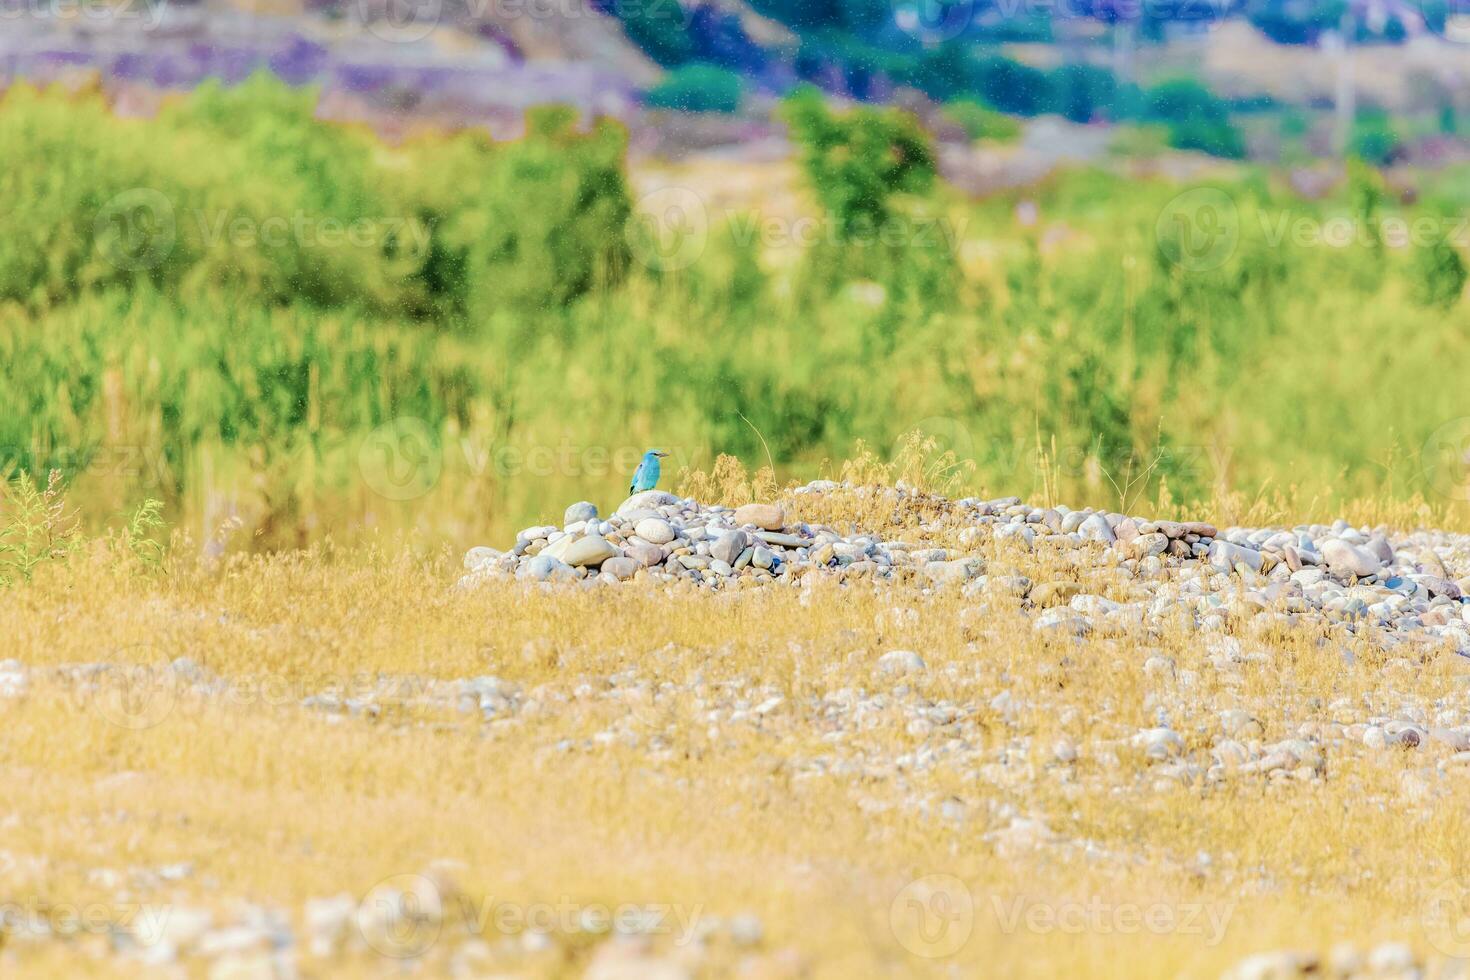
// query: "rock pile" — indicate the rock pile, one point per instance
point(1334, 573)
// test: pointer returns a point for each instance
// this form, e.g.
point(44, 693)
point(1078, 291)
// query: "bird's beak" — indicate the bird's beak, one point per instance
point(660, 455)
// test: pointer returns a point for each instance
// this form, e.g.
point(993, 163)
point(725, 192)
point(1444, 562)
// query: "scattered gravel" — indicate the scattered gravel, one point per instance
point(1397, 587)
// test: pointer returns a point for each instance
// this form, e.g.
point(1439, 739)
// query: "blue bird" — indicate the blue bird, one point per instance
point(645, 477)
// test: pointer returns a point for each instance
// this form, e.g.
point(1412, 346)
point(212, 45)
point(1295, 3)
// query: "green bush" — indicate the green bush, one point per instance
point(980, 122)
point(658, 27)
point(697, 88)
point(1084, 92)
point(1196, 118)
point(858, 162)
point(243, 189)
point(1439, 275)
point(224, 386)
point(1373, 138)
point(535, 224)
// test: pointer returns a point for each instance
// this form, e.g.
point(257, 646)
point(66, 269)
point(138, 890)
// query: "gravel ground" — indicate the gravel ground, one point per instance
point(987, 695)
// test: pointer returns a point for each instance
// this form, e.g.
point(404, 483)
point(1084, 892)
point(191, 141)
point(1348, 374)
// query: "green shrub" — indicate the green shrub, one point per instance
point(858, 162)
point(1196, 118)
point(243, 189)
point(981, 122)
point(1084, 92)
point(1439, 275)
point(218, 385)
point(1373, 138)
point(549, 220)
point(658, 27)
point(697, 88)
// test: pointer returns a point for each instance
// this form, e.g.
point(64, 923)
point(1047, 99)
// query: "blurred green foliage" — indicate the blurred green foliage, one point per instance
point(542, 349)
point(980, 122)
point(1373, 138)
point(244, 189)
point(698, 88)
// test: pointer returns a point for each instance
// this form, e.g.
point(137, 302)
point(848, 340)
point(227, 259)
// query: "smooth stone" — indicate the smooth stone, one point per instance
point(1126, 530)
point(478, 556)
point(1349, 559)
point(648, 499)
point(901, 662)
point(767, 517)
point(728, 546)
point(1429, 562)
point(532, 533)
point(589, 551)
point(1055, 593)
point(582, 511)
point(621, 568)
point(1170, 529)
point(654, 530)
point(956, 572)
point(1147, 545)
point(544, 568)
point(558, 549)
point(646, 555)
point(1063, 620)
point(1096, 528)
point(1437, 585)
point(1025, 533)
point(762, 557)
point(1292, 558)
point(1225, 556)
point(782, 540)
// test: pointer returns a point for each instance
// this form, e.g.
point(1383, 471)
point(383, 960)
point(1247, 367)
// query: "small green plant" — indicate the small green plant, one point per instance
point(138, 540)
point(35, 527)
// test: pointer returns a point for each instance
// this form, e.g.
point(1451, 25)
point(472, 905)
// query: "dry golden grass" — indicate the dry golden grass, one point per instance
point(636, 768)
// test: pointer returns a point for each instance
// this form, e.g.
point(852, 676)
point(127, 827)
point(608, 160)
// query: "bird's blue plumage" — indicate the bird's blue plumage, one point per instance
point(645, 477)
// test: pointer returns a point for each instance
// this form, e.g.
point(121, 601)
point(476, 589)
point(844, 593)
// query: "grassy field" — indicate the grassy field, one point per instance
point(317, 334)
point(285, 375)
point(734, 771)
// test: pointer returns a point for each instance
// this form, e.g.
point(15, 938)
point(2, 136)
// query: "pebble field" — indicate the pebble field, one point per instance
point(854, 731)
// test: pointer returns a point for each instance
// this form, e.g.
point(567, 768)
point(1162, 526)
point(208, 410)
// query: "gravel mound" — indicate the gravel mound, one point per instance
point(1050, 558)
